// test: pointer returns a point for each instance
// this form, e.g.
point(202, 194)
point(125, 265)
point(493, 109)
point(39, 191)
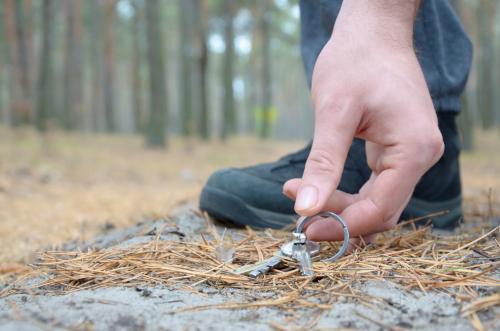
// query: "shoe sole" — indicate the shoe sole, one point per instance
point(420, 208)
point(227, 207)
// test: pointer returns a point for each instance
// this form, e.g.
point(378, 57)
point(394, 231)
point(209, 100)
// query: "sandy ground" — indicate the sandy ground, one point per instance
point(76, 187)
point(131, 309)
point(154, 308)
point(71, 186)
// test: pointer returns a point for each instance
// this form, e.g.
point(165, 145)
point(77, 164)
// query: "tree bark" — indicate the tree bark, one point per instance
point(156, 132)
point(466, 126)
point(465, 118)
point(29, 23)
point(496, 62)
point(73, 78)
point(4, 114)
point(229, 112)
point(485, 65)
point(46, 77)
point(137, 102)
point(265, 75)
point(97, 65)
point(24, 64)
point(201, 28)
point(18, 111)
point(186, 61)
point(109, 65)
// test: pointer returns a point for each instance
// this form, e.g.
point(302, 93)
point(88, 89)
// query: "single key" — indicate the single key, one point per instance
point(269, 264)
point(259, 268)
point(256, 269)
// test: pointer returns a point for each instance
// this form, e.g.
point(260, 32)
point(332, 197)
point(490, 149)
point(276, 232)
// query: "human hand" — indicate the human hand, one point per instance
point(367, 83)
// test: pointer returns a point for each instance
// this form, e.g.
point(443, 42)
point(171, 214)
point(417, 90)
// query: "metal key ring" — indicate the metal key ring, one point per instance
point(305, 219)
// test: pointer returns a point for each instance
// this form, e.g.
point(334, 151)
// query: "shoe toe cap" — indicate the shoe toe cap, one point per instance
point(252, 190)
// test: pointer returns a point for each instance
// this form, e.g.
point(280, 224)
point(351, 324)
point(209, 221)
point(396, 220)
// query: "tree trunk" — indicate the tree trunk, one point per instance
point(186, 51)
point(251, 87)
point(465, 118)
point(156, 135)
point(229, 116)
point(200, 10)
point(73, 78)
point(466, 127)
point(29, 23)
point(496, 62)
point(485, 65)
point(46, 77)
point(97, 64)
point(109, 65)
point(136, 71)
point(18, 112)
point(265, 76)
point(4, 115)
point(24, 64)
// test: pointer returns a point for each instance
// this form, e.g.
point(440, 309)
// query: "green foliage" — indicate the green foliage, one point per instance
point(264, 117)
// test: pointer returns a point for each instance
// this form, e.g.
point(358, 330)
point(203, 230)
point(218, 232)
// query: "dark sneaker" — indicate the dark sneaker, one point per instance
point(253, 196)
point(440, 188)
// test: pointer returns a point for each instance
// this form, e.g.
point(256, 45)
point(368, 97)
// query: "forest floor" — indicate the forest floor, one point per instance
point(65, 189)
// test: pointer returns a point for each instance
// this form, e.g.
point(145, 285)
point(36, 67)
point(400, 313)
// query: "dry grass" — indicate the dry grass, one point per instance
point(414, 258)
point(68, 186)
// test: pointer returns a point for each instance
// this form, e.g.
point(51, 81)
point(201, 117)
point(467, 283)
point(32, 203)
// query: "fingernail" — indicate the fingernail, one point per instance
point(306, 198)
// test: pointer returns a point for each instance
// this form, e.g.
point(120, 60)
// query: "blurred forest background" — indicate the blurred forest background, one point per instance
point(206, 68)
point(193, 68)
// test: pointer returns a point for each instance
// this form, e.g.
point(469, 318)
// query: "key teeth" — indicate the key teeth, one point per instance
point(264, 268)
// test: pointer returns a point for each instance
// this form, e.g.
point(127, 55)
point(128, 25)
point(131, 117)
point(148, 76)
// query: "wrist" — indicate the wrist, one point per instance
point(379, 23)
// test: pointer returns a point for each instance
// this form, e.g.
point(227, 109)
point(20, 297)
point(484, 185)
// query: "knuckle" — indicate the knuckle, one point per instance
point(378, 212)
point(334, 102)
point(428, 150)
point(322, 161)
point(436, 145)
point(325, 105)
point(433, 147)
point(385, 216)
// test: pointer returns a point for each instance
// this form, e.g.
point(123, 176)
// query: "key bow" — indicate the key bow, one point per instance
point(304, 220)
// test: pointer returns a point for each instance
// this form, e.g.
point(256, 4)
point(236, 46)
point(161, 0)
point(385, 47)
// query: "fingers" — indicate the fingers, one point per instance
point(334, 131)
point(291, 187)
point(378, 210)
point(337, 201)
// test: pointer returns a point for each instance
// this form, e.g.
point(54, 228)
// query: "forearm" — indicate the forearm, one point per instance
point(388, 21)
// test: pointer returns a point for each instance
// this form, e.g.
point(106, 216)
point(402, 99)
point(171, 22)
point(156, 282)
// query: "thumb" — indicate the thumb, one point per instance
point(333, 135)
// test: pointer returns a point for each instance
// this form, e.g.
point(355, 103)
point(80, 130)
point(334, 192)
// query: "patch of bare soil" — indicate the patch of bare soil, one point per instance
point(163, 273)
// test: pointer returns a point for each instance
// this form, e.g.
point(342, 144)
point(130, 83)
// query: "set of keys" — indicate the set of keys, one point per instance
point(300, 249)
